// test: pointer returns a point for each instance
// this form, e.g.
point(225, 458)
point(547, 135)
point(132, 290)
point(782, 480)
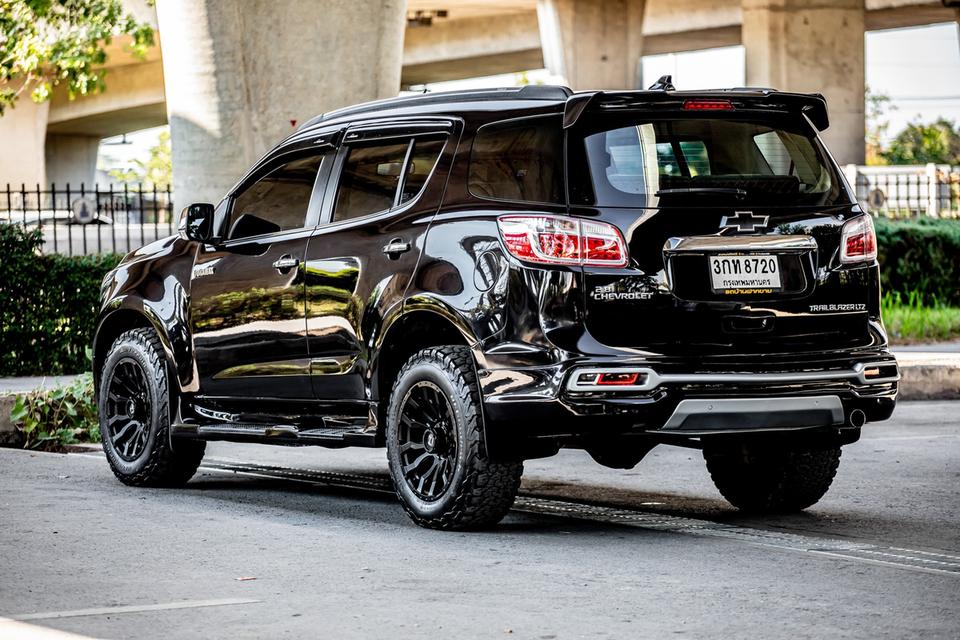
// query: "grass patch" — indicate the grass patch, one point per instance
point(910, 321)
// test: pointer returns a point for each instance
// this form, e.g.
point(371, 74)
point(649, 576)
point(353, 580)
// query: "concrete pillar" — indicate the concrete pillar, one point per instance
point(240, 72)
point(594, 44)
point(812, 46)
point(72, 159)
point(22, 132)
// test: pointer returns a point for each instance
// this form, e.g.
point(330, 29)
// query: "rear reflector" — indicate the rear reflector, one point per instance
point(707, 105)
point(560, 240)
point(614, 379)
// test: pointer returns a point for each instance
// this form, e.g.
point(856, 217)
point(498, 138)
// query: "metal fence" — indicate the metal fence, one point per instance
point(908, 191)
point(83, 221)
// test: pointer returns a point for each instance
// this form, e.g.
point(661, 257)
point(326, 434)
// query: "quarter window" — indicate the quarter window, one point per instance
point(276, 202)
point(519, 161)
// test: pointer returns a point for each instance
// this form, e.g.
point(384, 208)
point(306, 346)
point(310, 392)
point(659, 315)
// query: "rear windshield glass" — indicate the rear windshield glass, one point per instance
point(637, 162)
point(519, 160)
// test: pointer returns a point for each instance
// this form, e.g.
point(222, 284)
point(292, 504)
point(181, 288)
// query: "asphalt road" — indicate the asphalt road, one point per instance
point(306, 543)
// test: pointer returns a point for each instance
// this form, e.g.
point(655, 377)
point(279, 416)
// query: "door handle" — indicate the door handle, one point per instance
point(395, 247)
point(283, 264)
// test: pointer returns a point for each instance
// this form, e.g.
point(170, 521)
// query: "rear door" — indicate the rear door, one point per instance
point(385, 187)
point(733, 223)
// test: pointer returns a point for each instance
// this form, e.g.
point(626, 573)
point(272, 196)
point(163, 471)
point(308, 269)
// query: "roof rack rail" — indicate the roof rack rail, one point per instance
point(527, 92)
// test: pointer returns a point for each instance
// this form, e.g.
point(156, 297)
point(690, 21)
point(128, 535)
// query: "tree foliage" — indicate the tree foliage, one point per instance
point(155, 171)
point(44, 43)
point(920, 143)
point(877, 106)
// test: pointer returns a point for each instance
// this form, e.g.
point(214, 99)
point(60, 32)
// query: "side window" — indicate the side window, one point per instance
point(520, 161)
point(369, 180)
point(425, 154)
point(276, 202)
point(371, 176)
point(774, 152)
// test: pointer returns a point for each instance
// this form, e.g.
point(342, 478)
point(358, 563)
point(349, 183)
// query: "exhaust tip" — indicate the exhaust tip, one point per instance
point(857, 418)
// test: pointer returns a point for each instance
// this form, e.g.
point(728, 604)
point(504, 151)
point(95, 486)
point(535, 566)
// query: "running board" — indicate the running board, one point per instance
point(282, 434)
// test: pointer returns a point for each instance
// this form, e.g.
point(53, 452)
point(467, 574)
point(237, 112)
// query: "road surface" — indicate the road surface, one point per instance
point(308, 543)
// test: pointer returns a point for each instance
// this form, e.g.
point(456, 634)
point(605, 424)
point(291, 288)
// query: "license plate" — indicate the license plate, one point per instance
point(755, 273)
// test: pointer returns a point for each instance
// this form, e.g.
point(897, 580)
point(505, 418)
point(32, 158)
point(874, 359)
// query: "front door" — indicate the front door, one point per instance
point(247, 297)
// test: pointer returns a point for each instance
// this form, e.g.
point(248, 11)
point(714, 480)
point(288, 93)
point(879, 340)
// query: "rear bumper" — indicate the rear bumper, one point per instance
point(668, 399)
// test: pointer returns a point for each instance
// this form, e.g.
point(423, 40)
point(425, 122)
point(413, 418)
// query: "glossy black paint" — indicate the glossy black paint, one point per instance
point(317, 345)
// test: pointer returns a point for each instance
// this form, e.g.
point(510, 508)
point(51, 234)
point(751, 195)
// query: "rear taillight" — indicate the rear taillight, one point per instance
point(707, 105)
point(561, 240)
point(858, 242)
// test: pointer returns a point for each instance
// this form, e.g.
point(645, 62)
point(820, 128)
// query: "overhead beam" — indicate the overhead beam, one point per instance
point(471, 47)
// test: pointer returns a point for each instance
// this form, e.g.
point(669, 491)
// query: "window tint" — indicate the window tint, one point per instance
point(693, 156)
point(776, 155)
point(368, 182)
point(277, 201)
point(632, 162)
point(521, 161)
point(424, 157)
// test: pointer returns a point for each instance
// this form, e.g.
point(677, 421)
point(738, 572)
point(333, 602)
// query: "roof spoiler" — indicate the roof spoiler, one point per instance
point(812, 105)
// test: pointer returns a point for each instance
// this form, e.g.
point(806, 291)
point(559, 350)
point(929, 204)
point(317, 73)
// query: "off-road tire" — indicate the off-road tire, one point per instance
point(160, 464)
point(481, 491)
point(768, 479)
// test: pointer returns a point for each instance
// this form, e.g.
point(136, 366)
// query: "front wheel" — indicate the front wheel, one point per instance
point(772, 479)
point(134, 407)
point(435, 445)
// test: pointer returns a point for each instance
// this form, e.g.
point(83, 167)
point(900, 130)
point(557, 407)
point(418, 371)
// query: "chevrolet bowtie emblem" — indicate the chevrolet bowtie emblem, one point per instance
point(744, 221)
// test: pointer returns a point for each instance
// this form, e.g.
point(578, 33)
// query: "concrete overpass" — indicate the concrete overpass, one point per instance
point(238, 86)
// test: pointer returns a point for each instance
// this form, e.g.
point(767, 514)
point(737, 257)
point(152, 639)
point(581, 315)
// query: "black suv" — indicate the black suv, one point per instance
point(473, 279)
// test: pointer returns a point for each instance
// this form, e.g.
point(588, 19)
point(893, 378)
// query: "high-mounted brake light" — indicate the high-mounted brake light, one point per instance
point(707, 105)
point(560, 240)
point(858, 241)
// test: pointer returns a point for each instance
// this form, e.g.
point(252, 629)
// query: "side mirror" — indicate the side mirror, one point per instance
point(196, 221)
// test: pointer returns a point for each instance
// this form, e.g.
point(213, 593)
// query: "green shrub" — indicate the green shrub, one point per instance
point(920, 258)
point(50, 419)
point(48, 305)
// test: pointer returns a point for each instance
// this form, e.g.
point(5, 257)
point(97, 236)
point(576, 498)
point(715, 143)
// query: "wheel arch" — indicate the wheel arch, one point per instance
point(123, 319)
point(415, 327)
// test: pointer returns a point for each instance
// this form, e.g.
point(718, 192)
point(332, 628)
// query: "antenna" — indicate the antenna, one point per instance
point(665, 83)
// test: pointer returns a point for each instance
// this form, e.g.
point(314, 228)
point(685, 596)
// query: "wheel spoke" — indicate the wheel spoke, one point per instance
point(411, 446)
point(434, 472)
point(409, 468)
point(125, 432)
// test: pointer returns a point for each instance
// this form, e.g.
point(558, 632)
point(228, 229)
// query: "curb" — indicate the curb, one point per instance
point(929, 378)
point(9, 436)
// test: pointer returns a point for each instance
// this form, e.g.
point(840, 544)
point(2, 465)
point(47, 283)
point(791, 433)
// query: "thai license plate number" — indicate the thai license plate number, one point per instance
point(738, 274)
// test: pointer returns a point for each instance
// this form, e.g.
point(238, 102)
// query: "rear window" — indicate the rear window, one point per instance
point(520, 160)
point(637, 162)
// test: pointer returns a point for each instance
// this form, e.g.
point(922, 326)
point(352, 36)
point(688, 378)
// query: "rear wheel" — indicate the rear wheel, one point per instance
point(435, 445)
point(769, 479)
point(134, 407)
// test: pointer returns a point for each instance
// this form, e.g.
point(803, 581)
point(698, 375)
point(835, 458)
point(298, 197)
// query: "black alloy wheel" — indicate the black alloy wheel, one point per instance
point(428, 441)
point(136, 406)
point(435, 444)
point(128, 410)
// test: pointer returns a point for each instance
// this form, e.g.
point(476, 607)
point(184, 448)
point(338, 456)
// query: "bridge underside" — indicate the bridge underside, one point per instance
point(239, 104)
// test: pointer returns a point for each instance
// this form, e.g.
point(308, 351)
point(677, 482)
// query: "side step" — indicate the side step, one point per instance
point(282, 434)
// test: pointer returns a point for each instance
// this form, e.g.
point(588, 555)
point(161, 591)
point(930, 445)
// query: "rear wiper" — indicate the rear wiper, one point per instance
point(740, 193)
